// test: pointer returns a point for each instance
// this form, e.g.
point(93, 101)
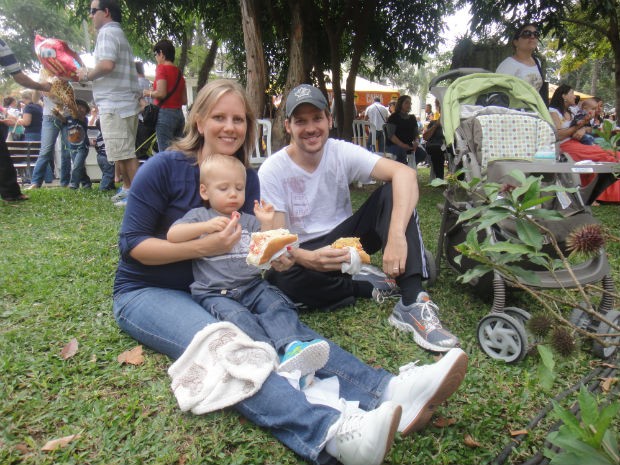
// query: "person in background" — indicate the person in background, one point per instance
point(523, 63)
point(571, 134)
point(435, 143)
point(32, 118)
point(79, 151)
point(402, 131)
point(9, 188)
point(116, 91)
point(377, 114)
point(107, 168)
point(169, 93)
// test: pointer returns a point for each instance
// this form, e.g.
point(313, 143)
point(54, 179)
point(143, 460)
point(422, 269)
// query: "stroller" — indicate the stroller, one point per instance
point(497, 124)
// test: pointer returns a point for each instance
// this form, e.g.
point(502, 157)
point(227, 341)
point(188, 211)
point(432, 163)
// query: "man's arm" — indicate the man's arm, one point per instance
point(101, 69)
point(24, 80)
point(323, 259)
point(405, 195)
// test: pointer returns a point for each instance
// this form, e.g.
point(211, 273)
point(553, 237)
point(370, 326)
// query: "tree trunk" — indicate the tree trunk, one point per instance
point(207, 64)
point(363, 12)
point(185, 45)
point(596, 71)
point(255, 57)
point(295, 74)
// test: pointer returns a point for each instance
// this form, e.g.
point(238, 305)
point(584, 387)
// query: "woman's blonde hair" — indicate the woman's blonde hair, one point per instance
point(191, 144)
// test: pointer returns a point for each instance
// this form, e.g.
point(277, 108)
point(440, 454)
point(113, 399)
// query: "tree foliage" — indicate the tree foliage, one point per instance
point(23, 19)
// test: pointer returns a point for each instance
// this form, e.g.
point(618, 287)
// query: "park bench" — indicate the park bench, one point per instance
point(24, 155)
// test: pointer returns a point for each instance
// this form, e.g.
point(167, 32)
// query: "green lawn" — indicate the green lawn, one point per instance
point(57, 263)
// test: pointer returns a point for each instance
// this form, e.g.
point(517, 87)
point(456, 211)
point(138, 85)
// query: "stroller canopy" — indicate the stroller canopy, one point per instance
point(467, 89)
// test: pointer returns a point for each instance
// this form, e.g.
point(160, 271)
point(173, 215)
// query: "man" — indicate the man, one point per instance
point(377, 115)
point(9, 188)
point(308, 185)
point(116, 91)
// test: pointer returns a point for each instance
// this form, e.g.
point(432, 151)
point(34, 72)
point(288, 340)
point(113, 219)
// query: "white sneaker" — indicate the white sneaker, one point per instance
point(420, 389)
point(364, 438)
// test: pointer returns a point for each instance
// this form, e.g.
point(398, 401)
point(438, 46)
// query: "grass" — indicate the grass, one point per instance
point(56, 271)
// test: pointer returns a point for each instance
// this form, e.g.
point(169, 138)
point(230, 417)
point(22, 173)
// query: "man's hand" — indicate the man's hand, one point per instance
point(323, 259)
point(395, 256)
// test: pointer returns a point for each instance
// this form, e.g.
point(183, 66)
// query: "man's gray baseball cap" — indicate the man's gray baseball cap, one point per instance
point(305, 93)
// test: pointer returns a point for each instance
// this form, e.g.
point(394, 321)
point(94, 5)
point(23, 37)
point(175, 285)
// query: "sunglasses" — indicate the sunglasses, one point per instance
point(527, 34)
point(93, 11)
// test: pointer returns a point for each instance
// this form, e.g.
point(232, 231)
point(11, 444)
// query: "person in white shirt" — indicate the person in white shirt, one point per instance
point(377, 115)
point(523, 64)
point(308, 182)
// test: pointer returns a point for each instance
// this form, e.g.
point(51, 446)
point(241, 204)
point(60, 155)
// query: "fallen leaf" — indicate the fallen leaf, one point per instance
point(70, 349)
point(607, 383)
point(22, 448)
point(470, 441)
point(59, 443)
point(133, 356)
point(442, 422)
point(518, 432)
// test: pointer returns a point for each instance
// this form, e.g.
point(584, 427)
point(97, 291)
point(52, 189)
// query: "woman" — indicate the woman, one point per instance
point(523, 64)
point(402, 130)
point(570, 135)
point(169, 93)
point(153, 305)
point(32, 118)
point(435, 143)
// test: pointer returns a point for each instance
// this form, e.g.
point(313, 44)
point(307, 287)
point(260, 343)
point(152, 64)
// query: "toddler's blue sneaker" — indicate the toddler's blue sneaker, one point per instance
point(307, 357)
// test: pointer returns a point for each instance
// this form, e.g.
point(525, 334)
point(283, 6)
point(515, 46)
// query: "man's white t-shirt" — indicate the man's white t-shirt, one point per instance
point(529, 74)
point(315, 203)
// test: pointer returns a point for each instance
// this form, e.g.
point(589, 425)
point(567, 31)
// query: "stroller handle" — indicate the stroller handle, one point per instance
point(455, 73)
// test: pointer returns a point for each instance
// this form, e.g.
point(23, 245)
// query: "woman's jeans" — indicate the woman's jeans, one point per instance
point(166, 320)
point(50, 129)
point(261, 311)
point(170, 124)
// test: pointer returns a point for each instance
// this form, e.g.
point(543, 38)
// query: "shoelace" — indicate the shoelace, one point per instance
point(381, 294)
point(429, 315)
point(351, 422)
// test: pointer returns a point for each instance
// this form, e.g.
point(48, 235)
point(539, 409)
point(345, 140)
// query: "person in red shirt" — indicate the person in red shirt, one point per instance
point(169, 93)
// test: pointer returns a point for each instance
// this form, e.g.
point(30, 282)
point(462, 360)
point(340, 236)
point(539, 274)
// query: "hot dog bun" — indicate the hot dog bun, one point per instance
point(352, 242)
point(264, 244)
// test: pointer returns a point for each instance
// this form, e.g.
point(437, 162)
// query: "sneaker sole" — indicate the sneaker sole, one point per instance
point(419, 340)
point(309, 360)
point(446, 387)
point(392, 432)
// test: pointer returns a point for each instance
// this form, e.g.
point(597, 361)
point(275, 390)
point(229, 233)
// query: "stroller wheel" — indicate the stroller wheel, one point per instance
point(431, 268)
point(522, 316)
point(580, 318)
point(502, 337)
point(602, 329)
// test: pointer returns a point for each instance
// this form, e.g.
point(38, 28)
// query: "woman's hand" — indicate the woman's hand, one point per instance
point(579, 133)
point(323, 259)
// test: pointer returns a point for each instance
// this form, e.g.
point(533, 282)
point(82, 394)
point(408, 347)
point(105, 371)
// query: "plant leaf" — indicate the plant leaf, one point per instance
point(529, 234)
